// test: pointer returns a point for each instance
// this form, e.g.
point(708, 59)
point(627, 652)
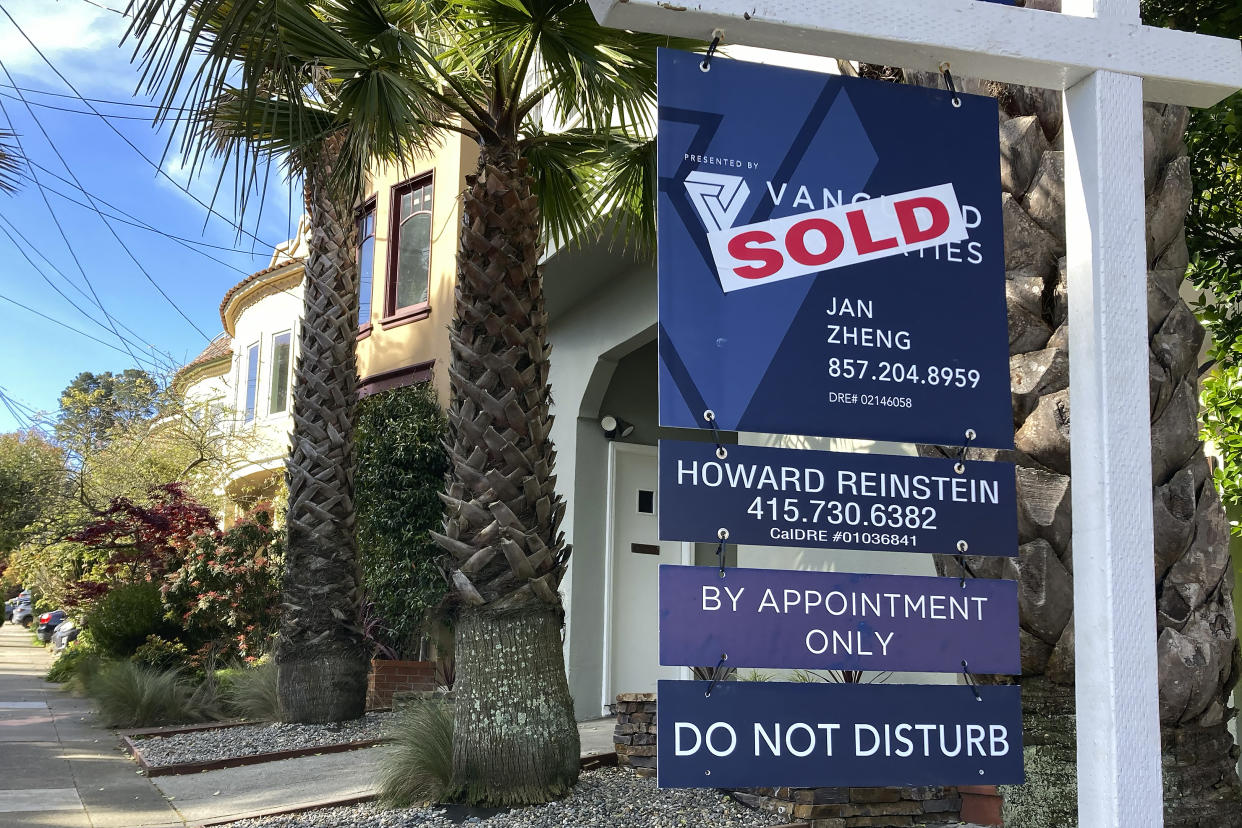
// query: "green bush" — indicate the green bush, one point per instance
point(122, 620)
point(417, 766)
point(401, 468)
point(128, 694)
point(162, 654)
point(73, 663)
point(250, 692)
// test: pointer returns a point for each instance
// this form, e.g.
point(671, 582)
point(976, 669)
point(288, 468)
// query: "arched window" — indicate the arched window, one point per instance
point(409, 267)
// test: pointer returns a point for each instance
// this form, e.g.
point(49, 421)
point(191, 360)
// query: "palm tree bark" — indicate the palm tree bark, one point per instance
point(320, 657)
point(515, 741)
point(1197, 640)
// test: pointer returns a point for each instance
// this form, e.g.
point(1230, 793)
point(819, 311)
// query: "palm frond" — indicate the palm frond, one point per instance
point(10, 163)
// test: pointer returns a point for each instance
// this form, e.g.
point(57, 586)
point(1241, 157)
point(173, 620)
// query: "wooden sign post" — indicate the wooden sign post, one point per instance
point(1106, 63)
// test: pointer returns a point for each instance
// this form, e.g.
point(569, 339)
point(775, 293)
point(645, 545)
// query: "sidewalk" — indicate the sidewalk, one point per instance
point(56, 770)
point(59, 770)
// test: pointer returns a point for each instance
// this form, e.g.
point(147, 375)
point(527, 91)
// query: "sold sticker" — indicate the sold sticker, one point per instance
point(798, 245)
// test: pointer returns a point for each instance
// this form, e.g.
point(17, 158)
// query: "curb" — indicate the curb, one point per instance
point(239, 761)
point(591, 762)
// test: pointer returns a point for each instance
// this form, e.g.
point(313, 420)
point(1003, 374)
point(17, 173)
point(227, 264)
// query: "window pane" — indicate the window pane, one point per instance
point(280, 373)
point(252, 379)
point(366, 265)
point(413, 260)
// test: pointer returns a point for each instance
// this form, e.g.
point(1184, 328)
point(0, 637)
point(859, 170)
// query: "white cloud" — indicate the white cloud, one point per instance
point(61, 29)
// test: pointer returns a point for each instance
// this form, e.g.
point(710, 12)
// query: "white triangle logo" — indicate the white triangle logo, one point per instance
point(717, 198)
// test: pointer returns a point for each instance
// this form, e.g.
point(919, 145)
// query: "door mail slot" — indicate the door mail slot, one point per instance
point(645, 548)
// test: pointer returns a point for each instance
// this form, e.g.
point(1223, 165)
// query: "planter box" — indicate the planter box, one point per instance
point(388, 677)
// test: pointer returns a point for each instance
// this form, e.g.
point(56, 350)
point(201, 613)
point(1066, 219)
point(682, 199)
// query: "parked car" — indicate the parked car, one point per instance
point(48, 622)
point(65, 632)
point(23, 613)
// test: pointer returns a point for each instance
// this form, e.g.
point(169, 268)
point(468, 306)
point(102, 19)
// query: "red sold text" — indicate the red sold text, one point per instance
point(797, 245)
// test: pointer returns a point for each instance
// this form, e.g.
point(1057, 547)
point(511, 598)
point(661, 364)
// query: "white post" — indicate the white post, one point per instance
point(1119, 779)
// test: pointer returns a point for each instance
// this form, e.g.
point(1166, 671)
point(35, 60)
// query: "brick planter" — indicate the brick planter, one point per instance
point(388, 677)
point(635, 740)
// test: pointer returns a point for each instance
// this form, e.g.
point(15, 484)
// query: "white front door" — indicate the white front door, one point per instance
point(636, 557)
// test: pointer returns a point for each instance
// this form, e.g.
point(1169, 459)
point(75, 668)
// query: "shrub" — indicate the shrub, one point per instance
point(123, 619)
point(73, 663)
point(162, 654)
point(226, 592)
point(401, 468)
point(128, 694)
point(417, 766)
point(251, 692)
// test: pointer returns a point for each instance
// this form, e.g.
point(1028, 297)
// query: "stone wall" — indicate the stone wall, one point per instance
point(635, 733)
point(635, 740)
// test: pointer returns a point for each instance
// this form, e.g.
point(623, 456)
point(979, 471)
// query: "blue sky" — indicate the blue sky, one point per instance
point(39, 358)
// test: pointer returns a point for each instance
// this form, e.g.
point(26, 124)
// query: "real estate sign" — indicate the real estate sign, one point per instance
point(756, 734)
point(830, 256)
point(837, 621)
point(834, 500)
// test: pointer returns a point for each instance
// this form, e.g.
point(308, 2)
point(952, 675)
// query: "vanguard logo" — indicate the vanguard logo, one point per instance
point(783, 248)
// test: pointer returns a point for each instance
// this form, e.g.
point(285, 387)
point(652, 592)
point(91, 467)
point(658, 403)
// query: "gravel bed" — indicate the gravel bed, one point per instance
point(604, 798)
point(248, 740)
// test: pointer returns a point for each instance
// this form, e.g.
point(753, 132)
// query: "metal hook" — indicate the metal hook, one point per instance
point(710, 417)
point(948, 82)
point(970, 682)
point(960, 465)
point(717, 36)
point(962, 546)
point(723, 534)
point(716, 675)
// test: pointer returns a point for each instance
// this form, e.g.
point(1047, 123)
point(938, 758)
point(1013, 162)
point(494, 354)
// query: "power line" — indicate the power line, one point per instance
point(109, 101)
point(159, 169)
point(107, 223)
point(78, 331)
point(137, 221)
point(79, 111)
point(56, 221)
point(67, 280)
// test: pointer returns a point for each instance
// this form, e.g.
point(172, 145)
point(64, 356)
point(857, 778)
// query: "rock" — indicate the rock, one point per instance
point(1023, 143)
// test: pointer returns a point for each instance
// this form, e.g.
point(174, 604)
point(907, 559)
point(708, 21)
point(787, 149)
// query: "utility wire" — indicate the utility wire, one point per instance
point(138, 222)
point(5, 230)
point(79, 111)
point(105, 220)
point(78, 331)
point(109, 101)
point(133, 221)
point(159, 169)
point(64, 237)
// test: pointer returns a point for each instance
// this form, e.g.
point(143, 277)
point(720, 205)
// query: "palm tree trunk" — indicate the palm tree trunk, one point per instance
point(320, 657)
point(1197, 640)
point(516, 741)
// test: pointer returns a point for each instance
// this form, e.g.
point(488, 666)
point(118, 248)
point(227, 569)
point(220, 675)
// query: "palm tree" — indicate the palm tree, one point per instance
point(1197, 639)
point(321, 86)
point(504, 71)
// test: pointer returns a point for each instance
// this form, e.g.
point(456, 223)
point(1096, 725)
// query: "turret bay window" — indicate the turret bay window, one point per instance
point(409, 265)
point(252, 380)
point(282, 346)
point(366, 261)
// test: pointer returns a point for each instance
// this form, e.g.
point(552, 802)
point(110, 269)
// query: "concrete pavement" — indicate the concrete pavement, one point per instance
point(56, 769)
point(60, 770)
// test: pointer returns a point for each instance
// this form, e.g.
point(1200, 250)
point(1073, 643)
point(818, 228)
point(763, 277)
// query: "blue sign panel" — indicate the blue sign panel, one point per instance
point(837, 620)
point(833, 500)
point(831, 258)
point(758, 734)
